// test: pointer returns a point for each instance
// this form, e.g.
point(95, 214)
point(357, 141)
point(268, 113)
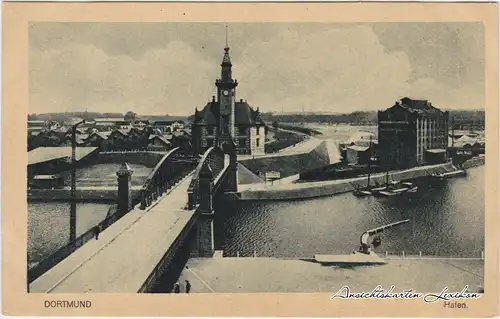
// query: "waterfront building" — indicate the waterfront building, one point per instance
point(224, 118)
point(358, 155)
point(411, 133)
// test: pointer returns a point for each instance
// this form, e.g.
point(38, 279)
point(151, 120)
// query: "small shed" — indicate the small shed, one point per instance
point(435, 156)
point(47, 181)
point(358, 155)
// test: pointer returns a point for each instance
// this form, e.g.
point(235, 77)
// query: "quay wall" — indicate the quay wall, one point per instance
point(94, 195)
point(327, 188)
point(474, 162)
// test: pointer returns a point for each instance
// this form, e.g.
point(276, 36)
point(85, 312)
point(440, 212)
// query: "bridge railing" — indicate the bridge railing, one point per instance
point(133, 151)
point(214, 158)
point(173, 167)
point(422, 255)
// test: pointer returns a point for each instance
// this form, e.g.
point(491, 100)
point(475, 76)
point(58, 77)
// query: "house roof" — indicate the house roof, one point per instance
point(465, 140)
point(365, 143)
point(418, 106)
point(122, 131)
point(100, 134)
point(44, 154)
point(46, 177)
point(358, 148)
point(244, 114)
point(207, 114)
point(361, 136)
point(161, 138)
point(436, 150)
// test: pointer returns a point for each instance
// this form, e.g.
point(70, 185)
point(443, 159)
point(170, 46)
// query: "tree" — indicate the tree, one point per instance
point(130, 116)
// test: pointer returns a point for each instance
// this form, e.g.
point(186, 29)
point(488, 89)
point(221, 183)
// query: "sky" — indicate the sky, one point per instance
point(170, 68)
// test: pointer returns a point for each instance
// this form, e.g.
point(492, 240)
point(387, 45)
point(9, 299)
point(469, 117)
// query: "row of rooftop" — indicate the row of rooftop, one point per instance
point(107, 123)
point(133, 137)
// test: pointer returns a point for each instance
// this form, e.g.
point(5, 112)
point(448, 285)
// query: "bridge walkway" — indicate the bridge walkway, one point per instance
point(126, 253)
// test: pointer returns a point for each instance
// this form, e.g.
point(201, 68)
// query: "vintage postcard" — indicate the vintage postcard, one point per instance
point(239, 159)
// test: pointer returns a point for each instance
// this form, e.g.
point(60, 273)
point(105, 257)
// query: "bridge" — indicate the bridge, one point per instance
point(134, 252)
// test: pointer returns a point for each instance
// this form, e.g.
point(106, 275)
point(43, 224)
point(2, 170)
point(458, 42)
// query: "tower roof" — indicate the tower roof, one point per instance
point(226, 59)
point(244, 114)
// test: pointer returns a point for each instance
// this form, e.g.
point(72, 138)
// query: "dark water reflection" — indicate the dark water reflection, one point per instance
point(446, 219)
point(48, 225)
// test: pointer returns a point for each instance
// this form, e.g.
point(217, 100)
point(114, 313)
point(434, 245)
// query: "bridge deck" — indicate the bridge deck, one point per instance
point(125, 254)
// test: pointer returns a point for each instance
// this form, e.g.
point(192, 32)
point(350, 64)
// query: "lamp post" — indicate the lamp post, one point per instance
point(72, 216)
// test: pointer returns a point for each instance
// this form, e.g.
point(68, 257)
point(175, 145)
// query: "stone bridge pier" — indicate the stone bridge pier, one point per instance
point(209, 188)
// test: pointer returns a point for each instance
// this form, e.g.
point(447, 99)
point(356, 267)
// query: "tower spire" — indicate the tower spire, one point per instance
point(227, 42)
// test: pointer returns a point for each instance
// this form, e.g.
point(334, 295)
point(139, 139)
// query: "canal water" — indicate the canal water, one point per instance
point(48, 222)
point(446, 219)
point(48, 225)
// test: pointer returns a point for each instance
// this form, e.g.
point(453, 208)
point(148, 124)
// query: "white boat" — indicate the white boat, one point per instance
point(393, 192)
point(362, 192)
point(456, 173)
point(413, 189)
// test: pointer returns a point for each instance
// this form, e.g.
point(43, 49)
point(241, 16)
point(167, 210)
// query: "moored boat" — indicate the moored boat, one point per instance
point(365, 191)
point(457, 173)
point(362, 192)
point(393, 192)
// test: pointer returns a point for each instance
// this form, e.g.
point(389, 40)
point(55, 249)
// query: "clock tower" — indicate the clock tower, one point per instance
point(226, 94)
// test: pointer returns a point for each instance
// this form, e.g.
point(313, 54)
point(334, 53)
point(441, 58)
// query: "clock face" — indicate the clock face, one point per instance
point(225, 92)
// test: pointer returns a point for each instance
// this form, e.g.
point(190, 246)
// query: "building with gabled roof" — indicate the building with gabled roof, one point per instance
point(224, 118)
point(411, 133)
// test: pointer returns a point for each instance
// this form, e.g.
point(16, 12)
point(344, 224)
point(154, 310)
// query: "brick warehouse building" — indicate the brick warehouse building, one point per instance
point(412, 133)
point(225, 118)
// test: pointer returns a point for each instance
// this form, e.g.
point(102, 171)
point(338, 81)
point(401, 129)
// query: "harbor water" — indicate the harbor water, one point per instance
point(446, 219)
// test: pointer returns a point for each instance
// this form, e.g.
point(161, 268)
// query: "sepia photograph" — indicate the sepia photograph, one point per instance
point(250, 160)
point(259, 157)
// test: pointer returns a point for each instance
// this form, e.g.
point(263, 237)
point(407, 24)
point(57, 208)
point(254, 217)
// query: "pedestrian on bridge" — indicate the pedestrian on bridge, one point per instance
point(97, 231)
point(177, 288)
point(188, 286)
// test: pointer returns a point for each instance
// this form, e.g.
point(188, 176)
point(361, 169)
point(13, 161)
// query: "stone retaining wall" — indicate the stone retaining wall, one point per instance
point(319, 189)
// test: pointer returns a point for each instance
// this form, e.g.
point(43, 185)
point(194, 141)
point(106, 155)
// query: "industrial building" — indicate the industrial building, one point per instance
point(412, 133)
